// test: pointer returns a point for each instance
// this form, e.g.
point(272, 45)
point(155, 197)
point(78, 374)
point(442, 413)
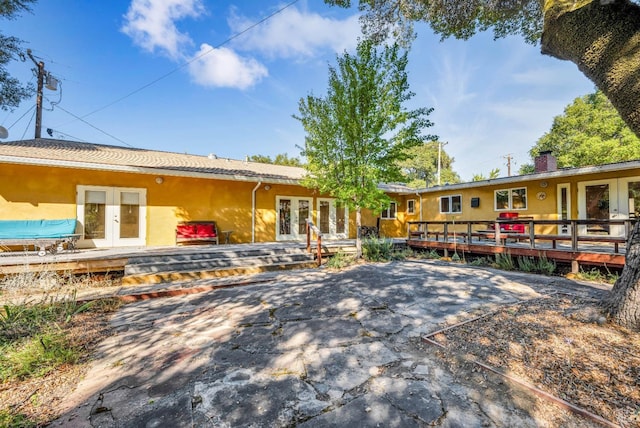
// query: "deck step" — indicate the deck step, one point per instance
point(213, 262)
point(210, 262)
point(188, 275)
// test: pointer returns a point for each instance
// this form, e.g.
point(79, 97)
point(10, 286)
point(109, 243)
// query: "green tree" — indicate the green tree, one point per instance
point(590, 132)
point(280, 159)
point(602, 37)
point(358, 132)
point(11, 91)
point(421, 167)
point(493, 174)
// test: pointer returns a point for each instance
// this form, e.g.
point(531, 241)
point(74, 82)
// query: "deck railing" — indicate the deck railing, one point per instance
point(501, 231)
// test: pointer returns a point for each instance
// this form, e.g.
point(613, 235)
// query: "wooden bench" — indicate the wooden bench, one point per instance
point(197, 232)
point(44, 235)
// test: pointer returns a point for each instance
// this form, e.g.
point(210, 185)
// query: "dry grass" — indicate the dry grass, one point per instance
point(36, 398)
point(562, 345)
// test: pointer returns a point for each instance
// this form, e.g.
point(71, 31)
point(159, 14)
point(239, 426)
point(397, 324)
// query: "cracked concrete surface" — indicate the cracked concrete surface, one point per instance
point(312, 348)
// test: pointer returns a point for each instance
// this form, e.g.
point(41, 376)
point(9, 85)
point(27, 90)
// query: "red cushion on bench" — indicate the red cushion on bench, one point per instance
point(186, 231)
point(206, 230)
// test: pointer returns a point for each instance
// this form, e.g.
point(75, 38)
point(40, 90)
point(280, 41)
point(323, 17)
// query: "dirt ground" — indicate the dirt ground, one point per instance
point(559, 344)
point(35, 399)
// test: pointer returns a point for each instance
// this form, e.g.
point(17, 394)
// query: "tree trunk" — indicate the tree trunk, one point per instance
point(603, 39)
point(623, 303)
point(358, 233)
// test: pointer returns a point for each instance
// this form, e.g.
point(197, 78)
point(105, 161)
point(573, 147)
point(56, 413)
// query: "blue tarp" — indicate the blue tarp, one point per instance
point(30, 229)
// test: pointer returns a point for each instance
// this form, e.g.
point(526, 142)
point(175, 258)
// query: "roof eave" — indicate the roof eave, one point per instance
point(143, 170)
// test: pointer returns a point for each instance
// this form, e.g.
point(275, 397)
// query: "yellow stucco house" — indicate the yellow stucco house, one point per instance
point(124, 196)
point(604, 192)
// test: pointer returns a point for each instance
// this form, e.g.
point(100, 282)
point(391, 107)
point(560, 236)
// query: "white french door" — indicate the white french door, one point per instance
point(615, 199)
point(293, 213)
point(332, 219)
point(112, 216)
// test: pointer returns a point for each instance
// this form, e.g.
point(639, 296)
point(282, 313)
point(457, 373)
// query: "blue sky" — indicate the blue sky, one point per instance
point(171, 75)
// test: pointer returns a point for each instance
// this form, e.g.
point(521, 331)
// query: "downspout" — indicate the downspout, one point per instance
point(253, 212)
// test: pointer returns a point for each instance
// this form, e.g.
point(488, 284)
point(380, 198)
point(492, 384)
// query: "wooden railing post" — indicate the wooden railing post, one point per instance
point(319, 251)
point(308, 237)
point(532, 234)
point(574, 235)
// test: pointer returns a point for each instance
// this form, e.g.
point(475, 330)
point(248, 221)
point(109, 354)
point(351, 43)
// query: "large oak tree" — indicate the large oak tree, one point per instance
point(602, 37)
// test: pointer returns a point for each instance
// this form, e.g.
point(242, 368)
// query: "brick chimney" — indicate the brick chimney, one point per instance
point(545, 162)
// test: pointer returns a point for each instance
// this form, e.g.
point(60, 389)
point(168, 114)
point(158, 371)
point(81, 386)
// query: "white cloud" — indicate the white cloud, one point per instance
point(151, 24)
point(295, 33)
point(224, 68)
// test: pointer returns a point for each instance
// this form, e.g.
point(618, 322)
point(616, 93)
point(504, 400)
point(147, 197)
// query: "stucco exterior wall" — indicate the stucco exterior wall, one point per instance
point(35, 192)
point(542, 198)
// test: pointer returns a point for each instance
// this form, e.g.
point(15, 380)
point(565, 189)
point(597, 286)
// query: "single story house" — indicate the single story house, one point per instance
point(122, 196)
point(604, 192)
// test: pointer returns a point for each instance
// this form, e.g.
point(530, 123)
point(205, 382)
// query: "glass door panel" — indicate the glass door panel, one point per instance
point(303, 215)
point(597, 208)
point(341, 220)
point(129, 215)
point(95, 211)
point(633, 194)
point(284, 217)
point(323, 215)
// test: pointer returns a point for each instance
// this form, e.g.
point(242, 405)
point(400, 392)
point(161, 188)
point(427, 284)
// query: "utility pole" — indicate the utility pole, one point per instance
point(40, 66)
point(508, 158)
point(440, 144)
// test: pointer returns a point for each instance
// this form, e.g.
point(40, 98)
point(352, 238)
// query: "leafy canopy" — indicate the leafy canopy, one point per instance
point(11, 91)
point(589, 132)
point(358, 132)
point(493, 174)
point(280, 159)
point(421, 167)
point(458, 18)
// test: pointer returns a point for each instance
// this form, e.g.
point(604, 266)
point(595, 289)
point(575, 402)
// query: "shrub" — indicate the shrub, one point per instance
point(340, 260)
point(546, 266)
point(377, 250)
point(527, 264)
point(505, 261)
point(480, 261)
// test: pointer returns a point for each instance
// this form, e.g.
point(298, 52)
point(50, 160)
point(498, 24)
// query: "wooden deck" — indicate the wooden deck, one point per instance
point(584, 243)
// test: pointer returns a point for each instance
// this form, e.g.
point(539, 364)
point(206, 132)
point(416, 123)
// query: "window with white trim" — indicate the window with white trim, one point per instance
point(390, 212)
point(510, 199)
point(411, 206)
point(451, 204)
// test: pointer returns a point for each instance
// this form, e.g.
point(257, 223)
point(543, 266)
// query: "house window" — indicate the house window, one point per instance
point(450, 204)
point(411, 206)
point(389, 213)
point(511, 199)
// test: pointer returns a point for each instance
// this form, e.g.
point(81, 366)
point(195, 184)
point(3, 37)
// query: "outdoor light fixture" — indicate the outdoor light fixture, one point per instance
point(159, 180)
point(267, 187)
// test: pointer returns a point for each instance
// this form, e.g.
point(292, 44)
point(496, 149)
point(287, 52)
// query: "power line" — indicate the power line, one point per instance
point(180, 67)
point(23, 115)
point(95, 127)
